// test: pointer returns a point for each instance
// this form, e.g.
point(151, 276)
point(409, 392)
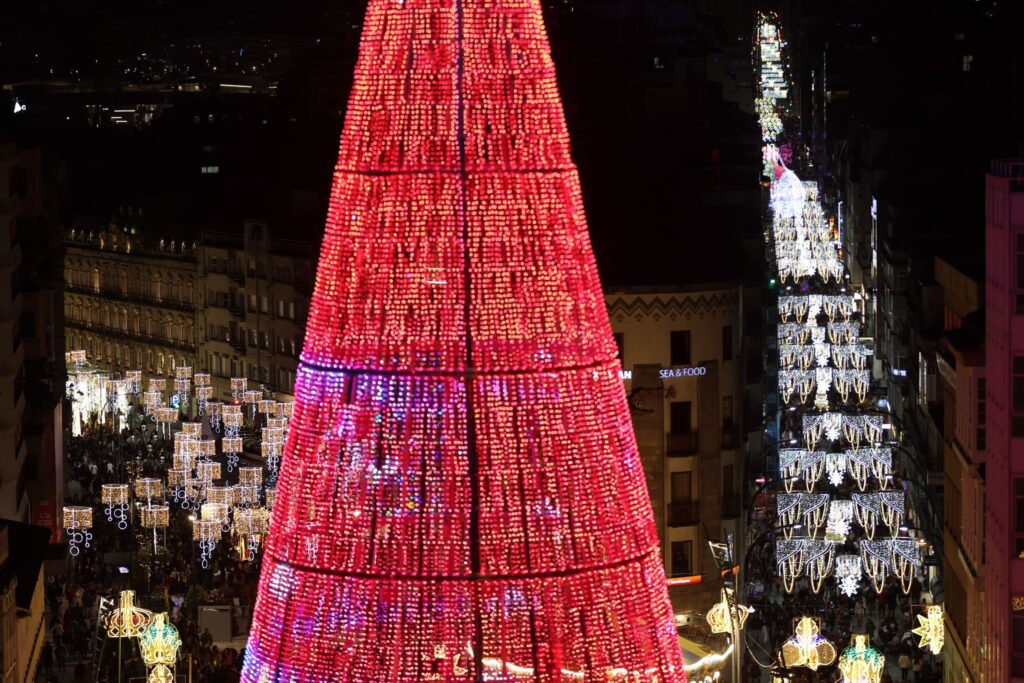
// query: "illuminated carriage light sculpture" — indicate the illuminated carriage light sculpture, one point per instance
point(116, 498)
point(807, 648)
point(206, 532)
point(78, 526)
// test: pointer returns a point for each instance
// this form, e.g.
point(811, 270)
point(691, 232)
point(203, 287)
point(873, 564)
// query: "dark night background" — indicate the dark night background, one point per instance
point(657, 93)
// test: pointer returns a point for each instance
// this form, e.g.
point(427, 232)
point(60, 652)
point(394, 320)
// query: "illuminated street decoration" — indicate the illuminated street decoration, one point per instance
point(460, 469)
point(720, 616)
point(77, 525)
point(159, 642)
point(806, 648)
point(207, 533)
point(127, 620)
point(115, 497)
point(835, 490)
point(860, 663)
point(931, 630)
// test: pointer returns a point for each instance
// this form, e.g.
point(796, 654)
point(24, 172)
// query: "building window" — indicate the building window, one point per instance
point(291, 310)
point(1018, 541)
point(679, 351)
point(620, 341)
point(209, 170)
point(682, 558)
point(727, 342)
point(252, 303)
point(280, 308)
point(1017, 665)
point(968, 62)
point(682, 487)
point(680, 414)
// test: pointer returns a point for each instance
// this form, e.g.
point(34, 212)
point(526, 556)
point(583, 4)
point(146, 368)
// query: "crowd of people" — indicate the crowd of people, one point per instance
point(171, 580)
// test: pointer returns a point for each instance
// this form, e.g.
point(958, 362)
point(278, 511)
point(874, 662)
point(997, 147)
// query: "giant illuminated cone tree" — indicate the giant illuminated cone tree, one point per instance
point(461, 496)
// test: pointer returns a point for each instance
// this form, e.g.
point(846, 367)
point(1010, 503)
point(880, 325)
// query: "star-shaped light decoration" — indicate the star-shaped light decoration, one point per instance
point(931, 630)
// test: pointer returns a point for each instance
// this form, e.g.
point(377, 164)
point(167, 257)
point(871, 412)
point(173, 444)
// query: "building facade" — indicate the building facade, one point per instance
point(1004, 373)
point(230, 305)
point(14, 502)
point(960, 388)
point(680, 351)
point(256, 291)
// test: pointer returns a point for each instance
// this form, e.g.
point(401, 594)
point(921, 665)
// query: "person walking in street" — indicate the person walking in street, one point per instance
point(904, 662)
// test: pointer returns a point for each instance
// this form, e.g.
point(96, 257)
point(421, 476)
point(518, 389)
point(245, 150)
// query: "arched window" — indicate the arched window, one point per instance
point(96, 280)
point(157, 287)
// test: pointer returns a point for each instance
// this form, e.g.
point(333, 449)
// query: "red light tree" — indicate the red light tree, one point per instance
point(461, 496)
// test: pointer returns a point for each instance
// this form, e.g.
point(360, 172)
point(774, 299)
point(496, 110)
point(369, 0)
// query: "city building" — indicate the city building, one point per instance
point(230, 305)
point(680, 350)
point(959, 397)
point(14, 502)
point(22, 602)
point(256, 290)
point(1004, 422)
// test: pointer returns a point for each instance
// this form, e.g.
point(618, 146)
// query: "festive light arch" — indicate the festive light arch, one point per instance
point(460, 496)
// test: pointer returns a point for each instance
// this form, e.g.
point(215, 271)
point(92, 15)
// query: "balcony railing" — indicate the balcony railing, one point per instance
point(683, 514)
point(681, 444)
point(130, 297)
point(130, 335)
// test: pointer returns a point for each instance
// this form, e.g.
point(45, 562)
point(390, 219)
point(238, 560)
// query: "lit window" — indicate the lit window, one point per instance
point(209, 170)
point(968, 61)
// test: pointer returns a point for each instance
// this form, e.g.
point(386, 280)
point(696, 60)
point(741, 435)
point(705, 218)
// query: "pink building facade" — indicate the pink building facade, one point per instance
point(1004, 358)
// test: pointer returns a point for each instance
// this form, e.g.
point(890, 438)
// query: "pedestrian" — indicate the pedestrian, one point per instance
point(47, 657)
point(904, 662)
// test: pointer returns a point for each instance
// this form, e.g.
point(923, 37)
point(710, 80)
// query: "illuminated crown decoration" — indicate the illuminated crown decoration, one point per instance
point(127, 620)
point(460, 474)
point(159, 643)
